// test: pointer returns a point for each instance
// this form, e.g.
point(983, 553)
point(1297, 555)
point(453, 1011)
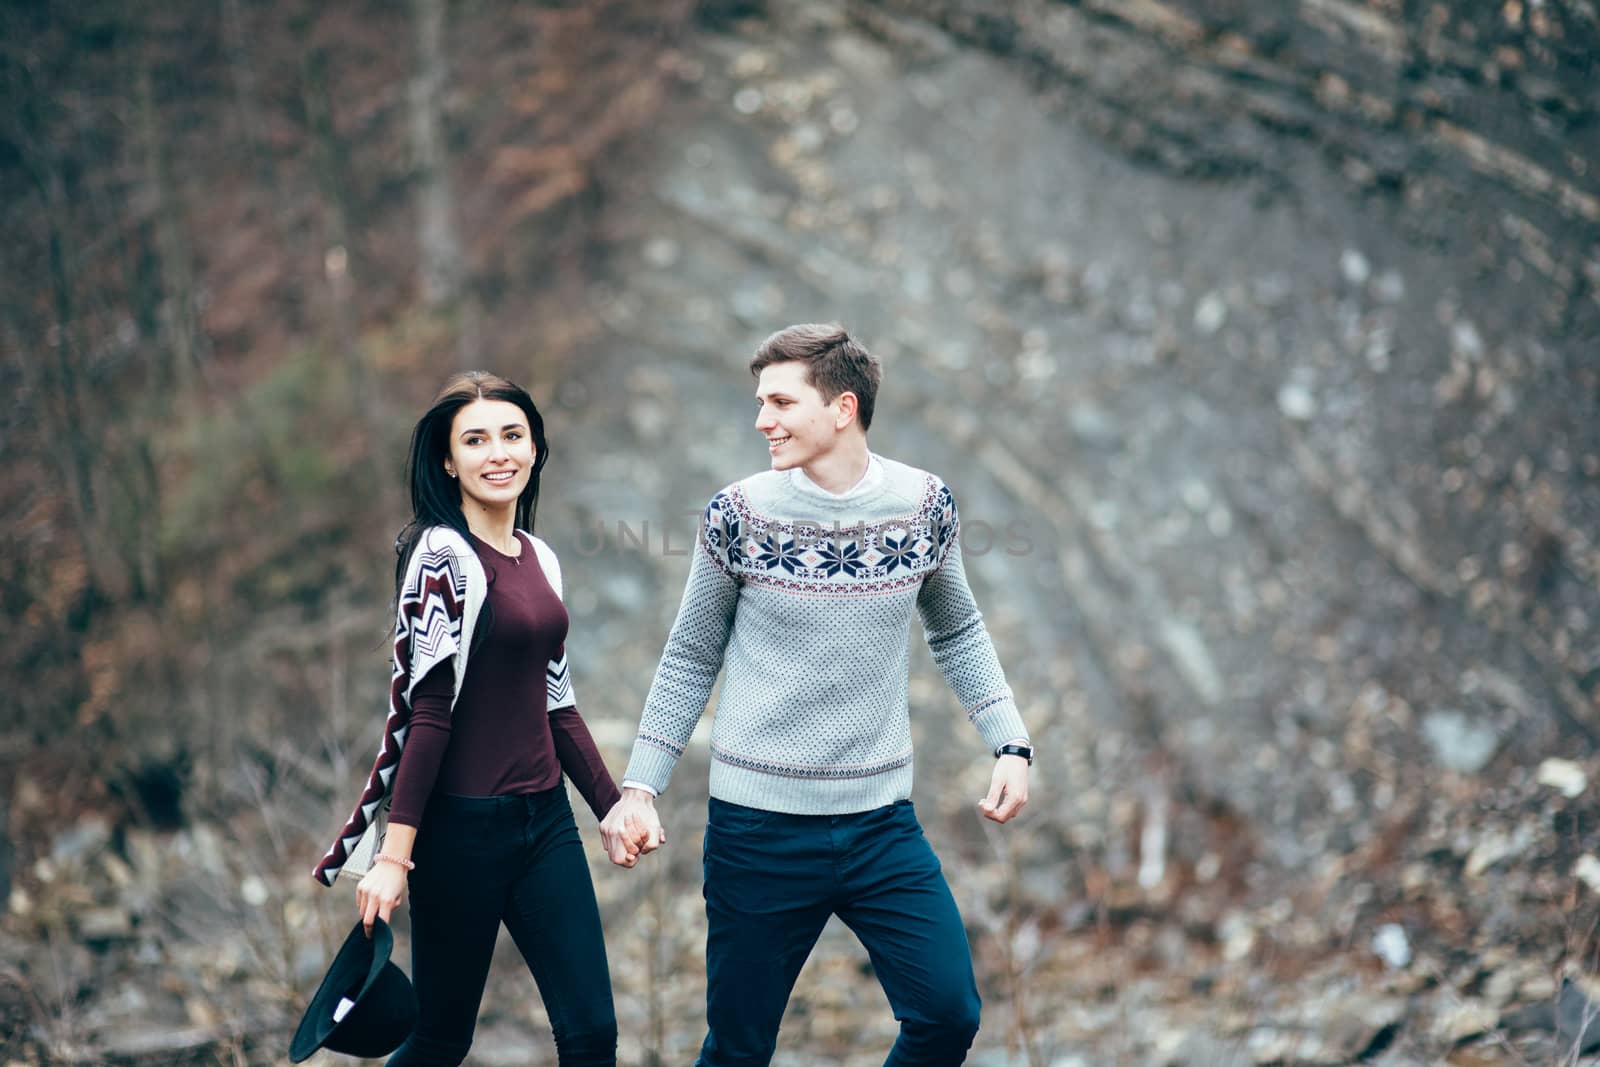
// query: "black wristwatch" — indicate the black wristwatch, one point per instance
point(1025, 751)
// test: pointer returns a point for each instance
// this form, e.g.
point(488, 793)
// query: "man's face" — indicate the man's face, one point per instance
point(791, 414)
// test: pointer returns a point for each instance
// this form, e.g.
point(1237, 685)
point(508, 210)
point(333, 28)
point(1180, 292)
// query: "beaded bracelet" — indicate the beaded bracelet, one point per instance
point(407, 864)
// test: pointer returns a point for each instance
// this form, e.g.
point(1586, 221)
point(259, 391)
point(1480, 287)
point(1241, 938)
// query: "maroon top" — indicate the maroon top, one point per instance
point(501, 739)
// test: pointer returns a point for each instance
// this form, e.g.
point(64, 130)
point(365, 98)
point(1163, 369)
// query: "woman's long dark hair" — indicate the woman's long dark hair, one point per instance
point(435, 496)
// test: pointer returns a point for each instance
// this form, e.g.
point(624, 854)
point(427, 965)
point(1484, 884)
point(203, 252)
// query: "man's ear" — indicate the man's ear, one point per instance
point(848, 406)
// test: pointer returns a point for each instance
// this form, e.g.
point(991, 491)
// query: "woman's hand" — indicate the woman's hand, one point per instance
point(631, 828)
point(379, 892)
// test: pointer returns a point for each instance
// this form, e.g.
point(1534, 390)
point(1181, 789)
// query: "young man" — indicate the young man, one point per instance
point(803, 584)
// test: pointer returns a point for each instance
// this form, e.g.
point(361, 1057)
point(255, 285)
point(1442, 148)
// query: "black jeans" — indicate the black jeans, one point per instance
point(482, 861)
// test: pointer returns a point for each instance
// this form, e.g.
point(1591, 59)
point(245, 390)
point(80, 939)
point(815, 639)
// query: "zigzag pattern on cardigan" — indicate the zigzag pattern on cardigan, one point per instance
point(428, 630)
point(557, 683)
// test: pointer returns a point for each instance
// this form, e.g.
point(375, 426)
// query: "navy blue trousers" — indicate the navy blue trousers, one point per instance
point(771, 882)
point(483, 861)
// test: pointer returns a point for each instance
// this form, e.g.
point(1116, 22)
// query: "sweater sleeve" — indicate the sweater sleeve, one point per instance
point(581, 761)
point(960, 642)
point(693, 654)
point(426, 741)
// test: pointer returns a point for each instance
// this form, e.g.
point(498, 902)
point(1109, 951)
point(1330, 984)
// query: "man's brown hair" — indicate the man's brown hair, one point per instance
point(835, 363)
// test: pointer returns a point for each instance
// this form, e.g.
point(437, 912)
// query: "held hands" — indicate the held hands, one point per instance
point(379, 892)
point(631, 828)
point(1008, 789)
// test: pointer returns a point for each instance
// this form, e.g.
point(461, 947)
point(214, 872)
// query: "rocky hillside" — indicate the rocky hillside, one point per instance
point(1256, 340)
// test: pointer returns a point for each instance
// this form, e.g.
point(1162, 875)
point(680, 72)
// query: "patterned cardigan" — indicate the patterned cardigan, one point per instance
point(444, 590)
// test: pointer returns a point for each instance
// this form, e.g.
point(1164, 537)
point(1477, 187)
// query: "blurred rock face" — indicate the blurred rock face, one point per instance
point(1277, 460)
point(1257, 343)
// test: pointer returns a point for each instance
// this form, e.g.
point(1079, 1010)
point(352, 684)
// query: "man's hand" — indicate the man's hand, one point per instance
point(631, 828)
point(1008, 789)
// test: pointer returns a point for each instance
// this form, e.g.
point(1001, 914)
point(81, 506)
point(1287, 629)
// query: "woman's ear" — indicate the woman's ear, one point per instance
point(450, 468)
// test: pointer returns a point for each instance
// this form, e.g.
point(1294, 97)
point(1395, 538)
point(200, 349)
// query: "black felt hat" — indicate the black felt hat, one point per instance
point(381, 1009)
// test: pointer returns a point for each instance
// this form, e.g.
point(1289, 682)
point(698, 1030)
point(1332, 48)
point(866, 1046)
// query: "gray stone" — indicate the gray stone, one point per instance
point(1093, 425)
point(1210, 313)
point(1466, 339)
point(150, 1039)
point(1459, 742)
point(1577, 1018)
point(90, 835)
point(105, 924)
point(1564, 776)
point(1391, 945)
point(997, 1057)
point(1193, 659)
point(1587, 871)
point(1389, 287)
point(1354, 1021)
point(1296, 401)
point(661, 253)
point(1354, 266)
point(1497, 846)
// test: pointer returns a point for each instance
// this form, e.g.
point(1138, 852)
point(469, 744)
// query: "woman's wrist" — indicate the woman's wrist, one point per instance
point(400, 860)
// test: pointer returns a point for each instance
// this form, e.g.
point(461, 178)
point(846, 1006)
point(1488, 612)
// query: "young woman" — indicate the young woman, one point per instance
point(482, 724)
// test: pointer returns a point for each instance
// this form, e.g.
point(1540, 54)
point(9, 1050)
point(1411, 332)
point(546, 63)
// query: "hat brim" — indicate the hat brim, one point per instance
point(360, 967)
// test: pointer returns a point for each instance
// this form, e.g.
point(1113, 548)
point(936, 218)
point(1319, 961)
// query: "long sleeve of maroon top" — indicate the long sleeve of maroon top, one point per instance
point(501, 738)
point(579, 757)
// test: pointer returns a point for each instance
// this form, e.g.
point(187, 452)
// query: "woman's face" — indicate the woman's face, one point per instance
point(491, 454)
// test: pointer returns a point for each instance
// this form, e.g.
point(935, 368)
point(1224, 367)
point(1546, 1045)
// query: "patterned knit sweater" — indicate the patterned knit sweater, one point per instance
point(807, 597)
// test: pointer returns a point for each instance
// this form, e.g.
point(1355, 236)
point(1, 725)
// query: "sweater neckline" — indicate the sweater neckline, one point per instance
point(870, 483)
